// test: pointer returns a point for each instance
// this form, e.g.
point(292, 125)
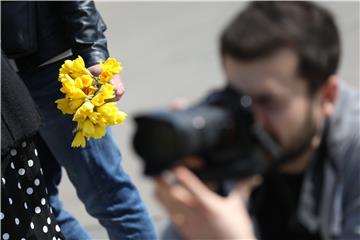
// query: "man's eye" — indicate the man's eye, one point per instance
point(277, 104)
point(273, 104)
point(270, 102)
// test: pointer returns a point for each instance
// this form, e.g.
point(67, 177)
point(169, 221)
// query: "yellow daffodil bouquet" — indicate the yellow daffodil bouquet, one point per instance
point(89, 98)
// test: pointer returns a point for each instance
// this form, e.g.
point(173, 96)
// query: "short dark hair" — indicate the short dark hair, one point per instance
point(308, 29)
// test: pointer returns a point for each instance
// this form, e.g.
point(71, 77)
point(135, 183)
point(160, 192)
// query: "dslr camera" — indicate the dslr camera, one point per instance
point(220, 130)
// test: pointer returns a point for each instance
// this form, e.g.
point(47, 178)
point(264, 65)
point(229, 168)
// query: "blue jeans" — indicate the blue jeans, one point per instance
point(95, 171)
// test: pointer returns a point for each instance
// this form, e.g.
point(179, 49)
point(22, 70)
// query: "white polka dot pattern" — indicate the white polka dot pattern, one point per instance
point(37, 210)
point(21, 171)
point(29, 190)
point(5, 236)
point(36, 182)
point(13, 152)
point(30, 163)
point(26, 189)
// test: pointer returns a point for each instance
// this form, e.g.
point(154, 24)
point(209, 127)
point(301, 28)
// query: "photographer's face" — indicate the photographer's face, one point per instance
point(280, 100)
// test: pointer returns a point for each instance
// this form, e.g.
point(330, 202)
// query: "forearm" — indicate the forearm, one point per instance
point(85, 30)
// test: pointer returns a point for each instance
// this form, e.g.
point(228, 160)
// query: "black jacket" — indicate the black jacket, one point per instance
point(52, 28)
point(19, 117)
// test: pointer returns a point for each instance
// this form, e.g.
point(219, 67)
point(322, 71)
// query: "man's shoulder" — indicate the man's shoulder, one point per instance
point(344, 129)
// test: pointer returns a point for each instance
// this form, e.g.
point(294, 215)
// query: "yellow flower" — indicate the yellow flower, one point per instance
point(121, 116)
point(79, 65)
point(100, 131)
point(76, 93)
point(78, 83)
point(107, 109)
point(63, 105)
point(74, 104)
point(67, 83)
point(94, 117)
point(106, 92)
point(79, 140)
point(74, 68)
point(85, 98)
point(111, 65)
point(66, 68)
point(68, 106)
point(87, 80)
point(80, 125)
point(98, 100)
point(90, 91)
point(88, 128)
point(111, 114)
point(105, 77)
point(70, 89)
point(84, 111)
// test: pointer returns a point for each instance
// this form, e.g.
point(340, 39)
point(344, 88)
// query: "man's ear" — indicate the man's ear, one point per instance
point(329, 95)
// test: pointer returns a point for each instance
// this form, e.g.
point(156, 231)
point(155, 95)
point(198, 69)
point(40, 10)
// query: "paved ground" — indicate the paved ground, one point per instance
point(169, 50)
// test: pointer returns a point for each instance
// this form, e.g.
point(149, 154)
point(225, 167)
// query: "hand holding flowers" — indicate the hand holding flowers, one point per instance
point(91, 99)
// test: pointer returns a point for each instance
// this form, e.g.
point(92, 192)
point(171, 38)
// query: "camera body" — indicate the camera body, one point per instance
point(220, 130)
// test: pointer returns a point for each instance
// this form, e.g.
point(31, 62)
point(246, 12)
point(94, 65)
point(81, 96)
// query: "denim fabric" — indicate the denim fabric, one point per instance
point(95, 171)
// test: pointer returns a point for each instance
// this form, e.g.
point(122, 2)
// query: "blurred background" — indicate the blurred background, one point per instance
point(169, 50)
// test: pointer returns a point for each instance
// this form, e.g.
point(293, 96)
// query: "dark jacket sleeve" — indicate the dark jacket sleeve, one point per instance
point(85, 28)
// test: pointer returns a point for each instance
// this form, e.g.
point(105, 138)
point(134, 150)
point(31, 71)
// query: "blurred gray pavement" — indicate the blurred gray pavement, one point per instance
point(169, 50)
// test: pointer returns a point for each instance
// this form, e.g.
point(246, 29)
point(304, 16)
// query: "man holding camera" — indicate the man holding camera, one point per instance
point(284, 56)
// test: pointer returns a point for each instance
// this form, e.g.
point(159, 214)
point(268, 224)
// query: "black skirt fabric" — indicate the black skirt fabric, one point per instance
point(25, 211)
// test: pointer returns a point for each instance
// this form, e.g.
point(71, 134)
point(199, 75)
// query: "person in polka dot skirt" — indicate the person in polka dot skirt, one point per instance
point(25, 211)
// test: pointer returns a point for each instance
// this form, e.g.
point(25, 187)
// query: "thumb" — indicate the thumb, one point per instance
point(95, 69)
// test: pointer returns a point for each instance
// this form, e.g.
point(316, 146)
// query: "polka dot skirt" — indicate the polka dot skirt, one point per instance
point(25, 211)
